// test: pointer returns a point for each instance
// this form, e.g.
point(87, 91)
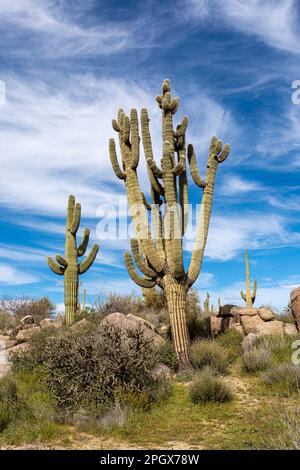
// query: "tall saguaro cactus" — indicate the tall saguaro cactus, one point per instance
point(247, 296)
point(68, 266)
point(159, 253)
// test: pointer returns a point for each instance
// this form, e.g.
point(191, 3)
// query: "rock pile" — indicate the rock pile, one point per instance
point(259, 321)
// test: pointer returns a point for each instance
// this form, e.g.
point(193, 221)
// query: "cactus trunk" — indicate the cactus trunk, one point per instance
point(69, 266)
point(176, 296)
point(249, 297)
point(71, 296)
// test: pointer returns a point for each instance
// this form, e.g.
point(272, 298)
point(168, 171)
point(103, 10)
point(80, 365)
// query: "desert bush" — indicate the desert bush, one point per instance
point(283, 379)
point(20, 307)
point(231, 341)
point(280, 347)
point(256, 360)
point(37, 352)
point(286, 315)
point(168, 356)
point(92, 370)
point(7, 322)
point(208, 353)
point(11, 406)
point(206, 387)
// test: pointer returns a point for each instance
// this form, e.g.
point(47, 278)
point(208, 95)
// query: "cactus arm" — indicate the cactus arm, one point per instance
point(54, 267)
point(253, 296)
point(142, 282)
point(139, 261)
point(205, 211)
point(135, 139)
point(243, 295)
point(70, 210)
point(193, 167)
point(146, 204)
point(224, 153)
point(114, 160)
point(76, 219)
point(88, 261)
point(152, 255)
point(155, 184)
point(84, 243)
point(62, 261)
point(154, 168)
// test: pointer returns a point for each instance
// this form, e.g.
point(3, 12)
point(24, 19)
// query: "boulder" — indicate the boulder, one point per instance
point(4, 338)
point(290, 329)
point(227, 310)
point(250, 322)
point(238, 327)
point(25, 335)
point(249, 342)
point(19, 347)
point(7, 344)
point(80, 325)
point(247, 311)
point(131, 322)
point(28, 319)
point(49, 322)
point(274, 327)
point(141, 320)
point(266, 314)
point(217, 325)
point(295, 306)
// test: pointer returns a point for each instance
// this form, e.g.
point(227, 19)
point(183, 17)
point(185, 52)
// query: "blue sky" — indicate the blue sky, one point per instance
point(69, 65)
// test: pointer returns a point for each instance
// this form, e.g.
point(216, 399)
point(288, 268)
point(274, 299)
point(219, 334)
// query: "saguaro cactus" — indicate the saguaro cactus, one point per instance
point(159, 254)
point(248, 297)
point(206, 303)
point(68, 266)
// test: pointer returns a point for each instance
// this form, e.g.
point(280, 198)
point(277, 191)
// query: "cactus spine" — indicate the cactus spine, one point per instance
point(68, 266)
point(248, 297)
point(159, 254)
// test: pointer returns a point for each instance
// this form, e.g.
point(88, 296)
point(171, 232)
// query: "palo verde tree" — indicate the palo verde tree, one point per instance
point(68, 266)
point(158, 253)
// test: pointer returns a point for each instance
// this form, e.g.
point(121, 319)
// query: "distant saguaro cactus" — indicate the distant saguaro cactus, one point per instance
point(68, 266)
point(161, 261)
point(207, 303)
point(248, 297)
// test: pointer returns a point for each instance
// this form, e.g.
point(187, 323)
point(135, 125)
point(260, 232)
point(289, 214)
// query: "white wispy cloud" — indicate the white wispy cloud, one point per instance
point(234, 184)
point(275, 22)
point(229, 235)
point(10, 275)
point(56, 30)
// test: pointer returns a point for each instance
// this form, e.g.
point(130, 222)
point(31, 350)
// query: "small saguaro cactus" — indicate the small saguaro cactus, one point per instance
point(206, 303)
point(158, 253)
point(219, 302)
point(248, 297)
point(68, 266)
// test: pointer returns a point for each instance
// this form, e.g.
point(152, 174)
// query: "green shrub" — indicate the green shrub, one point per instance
point(168, 356)
point(206, 387)
point(11, 406)
point(231, 341)
point(279, 346)
point(256, 360)
point(91, 370)
point(283, 379)
point(7, 322)
point(208, 353)
point(36, 354)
